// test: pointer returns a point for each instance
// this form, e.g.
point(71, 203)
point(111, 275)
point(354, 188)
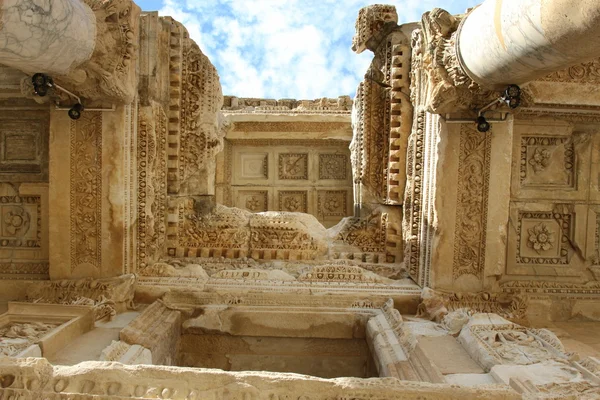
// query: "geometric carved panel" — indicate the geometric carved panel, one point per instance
point(547, 161)
point(293, 166)
point(293, 201)
point(332, 166)
point(254, 166)
point(332, 203)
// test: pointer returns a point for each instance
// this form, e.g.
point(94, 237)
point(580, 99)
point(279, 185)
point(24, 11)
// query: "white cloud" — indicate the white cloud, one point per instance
point(286, 49)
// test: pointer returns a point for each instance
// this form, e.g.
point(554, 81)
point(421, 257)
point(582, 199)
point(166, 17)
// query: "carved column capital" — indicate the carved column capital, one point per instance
point(435, 50)
point(109, 74)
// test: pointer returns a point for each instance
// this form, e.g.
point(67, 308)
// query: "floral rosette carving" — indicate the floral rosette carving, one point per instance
point(16, 221)
point(540, 238)
point(540, 159)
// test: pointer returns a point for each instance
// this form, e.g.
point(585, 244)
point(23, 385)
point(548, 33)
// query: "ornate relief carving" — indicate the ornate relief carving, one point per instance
point(332, 166)
point(370, 25)
point(448, 86)
point(105, 295)
point(194, 135)
point(86, 190)
point(24, 270)
point(572, 290)
point(151, 183)
point(368, 234)
point(537, 156)
point(293, 201)
point(514, 344)
point(382, 111)
point(213, 234)
point(293, 166)
point(540, 159)
point(472, 202)
point(254, 200)
point(280, 126)
point(414, 197)
point(17, 336)
point(110, 74)
point(338, 273)
point(369, 146)
point(543, 237)
point(588, 72)
point(436, 304)
point(281, 236)
point(241, 105)
point(540, 238)
point(21, 221)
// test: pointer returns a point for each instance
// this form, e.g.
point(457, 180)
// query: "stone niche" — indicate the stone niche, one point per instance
point(41, 330)
point(346, 339)
point(323, 344)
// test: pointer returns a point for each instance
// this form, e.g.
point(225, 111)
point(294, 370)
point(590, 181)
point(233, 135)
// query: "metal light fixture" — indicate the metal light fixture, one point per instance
point(511, 96)
point(41, 84)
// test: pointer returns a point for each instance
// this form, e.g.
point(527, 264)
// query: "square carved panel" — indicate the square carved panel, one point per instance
point(293, 201)
point(293, 166)
point(254, 166)
point(543, 239)
point(253, 200)
point(332, 203)
point(24, 146)
point(333, 166)
point(547, 162)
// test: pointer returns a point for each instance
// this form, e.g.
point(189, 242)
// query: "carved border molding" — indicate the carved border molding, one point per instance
point(86, 190)
point(472, 202)
point(151, 183)
point(568, 289)
point(295, 126)
point(413, 197)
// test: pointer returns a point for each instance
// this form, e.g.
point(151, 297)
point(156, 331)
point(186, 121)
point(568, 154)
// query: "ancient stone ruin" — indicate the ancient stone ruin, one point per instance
point(436, 237)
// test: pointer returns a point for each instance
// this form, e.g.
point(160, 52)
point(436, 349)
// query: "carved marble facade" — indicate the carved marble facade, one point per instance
point(176, 243)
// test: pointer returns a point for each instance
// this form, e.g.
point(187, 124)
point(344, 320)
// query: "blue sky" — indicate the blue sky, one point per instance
point(285, 48)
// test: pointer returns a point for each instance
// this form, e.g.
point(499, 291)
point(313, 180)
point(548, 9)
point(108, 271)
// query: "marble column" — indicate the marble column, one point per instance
point(49, 36)
point(514, 41)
